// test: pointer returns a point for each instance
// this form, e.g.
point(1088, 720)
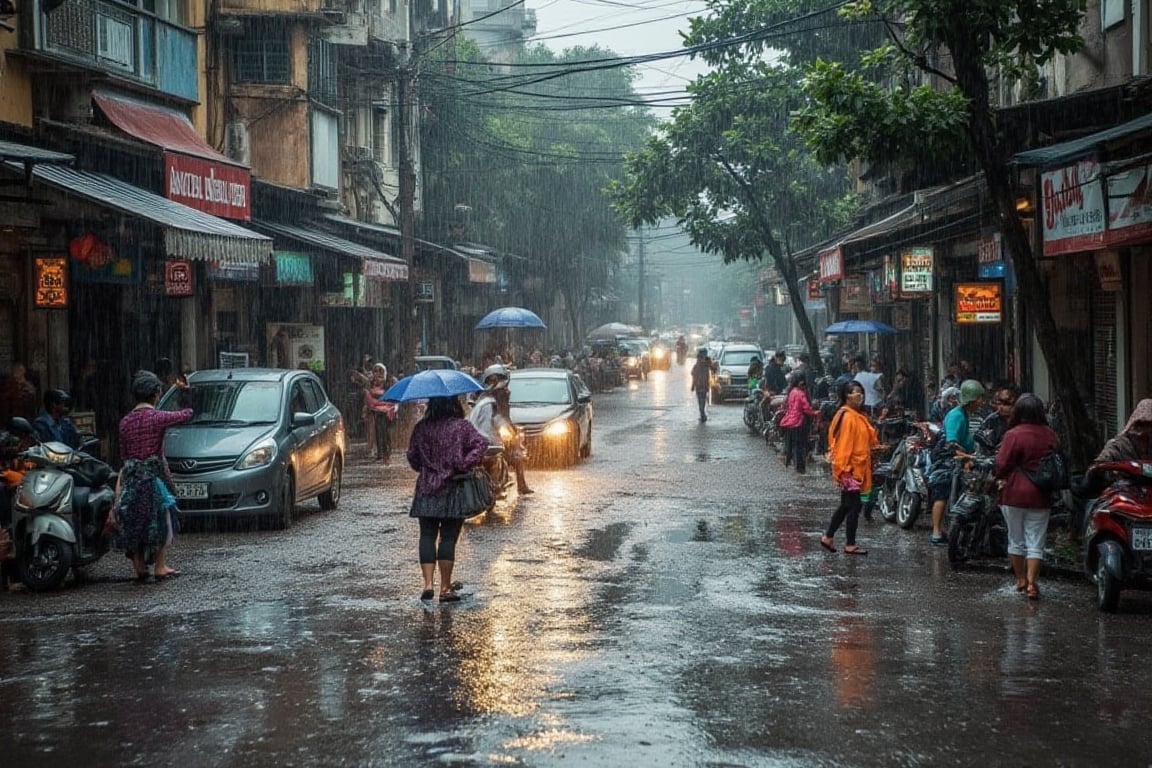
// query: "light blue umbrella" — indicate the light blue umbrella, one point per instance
point(859, 326)
point(438, 382)
point(510, 317)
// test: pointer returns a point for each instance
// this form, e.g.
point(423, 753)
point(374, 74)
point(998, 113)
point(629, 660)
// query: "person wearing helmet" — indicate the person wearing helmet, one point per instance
point(145, 508)
point(53, 424)
point(956, 442)
point(493, 375)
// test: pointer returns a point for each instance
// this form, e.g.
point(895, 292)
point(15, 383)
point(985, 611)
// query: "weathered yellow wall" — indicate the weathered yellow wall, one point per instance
point(279, 140)
point(15, 85)
point(197, 15)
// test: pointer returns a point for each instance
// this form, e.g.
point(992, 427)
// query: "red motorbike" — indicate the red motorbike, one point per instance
point(1118, 541)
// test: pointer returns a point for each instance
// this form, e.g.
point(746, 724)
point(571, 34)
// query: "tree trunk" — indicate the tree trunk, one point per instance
point(1085, 440)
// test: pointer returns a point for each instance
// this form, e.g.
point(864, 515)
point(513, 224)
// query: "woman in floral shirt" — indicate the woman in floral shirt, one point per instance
point(443, 444)
point(145, 508)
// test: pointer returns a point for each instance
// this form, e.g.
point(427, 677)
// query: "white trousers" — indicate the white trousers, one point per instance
point(1027, 529)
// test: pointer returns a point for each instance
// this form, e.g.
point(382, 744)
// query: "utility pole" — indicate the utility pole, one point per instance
point(405, 101)
point(640, 279)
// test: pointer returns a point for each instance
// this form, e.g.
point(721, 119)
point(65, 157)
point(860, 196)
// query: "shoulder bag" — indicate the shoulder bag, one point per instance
point(1052, 474)
point(470, 494)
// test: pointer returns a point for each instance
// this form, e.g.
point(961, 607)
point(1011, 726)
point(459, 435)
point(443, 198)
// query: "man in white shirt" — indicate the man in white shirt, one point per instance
point(873, 382)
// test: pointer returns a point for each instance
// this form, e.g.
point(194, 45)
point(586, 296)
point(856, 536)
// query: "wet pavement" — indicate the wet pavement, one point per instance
point(665, 603)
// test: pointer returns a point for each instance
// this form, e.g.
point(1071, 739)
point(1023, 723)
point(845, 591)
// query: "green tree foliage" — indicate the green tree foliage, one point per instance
point(532, 148)
point(925, 91)
point(736, 178)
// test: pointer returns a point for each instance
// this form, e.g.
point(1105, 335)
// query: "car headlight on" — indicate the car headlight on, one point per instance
point(658, 354)
point(507, 434)
point(259, 455)
point(725, 375)
point(558, 428)
point(629, 361)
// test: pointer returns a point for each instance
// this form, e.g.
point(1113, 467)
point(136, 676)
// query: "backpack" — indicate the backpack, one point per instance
point(1052, 474)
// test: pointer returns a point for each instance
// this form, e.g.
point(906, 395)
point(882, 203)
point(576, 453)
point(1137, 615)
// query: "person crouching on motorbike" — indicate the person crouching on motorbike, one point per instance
point(491, 412)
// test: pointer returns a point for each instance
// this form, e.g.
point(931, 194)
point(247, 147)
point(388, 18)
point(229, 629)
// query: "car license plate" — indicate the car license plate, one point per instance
point(191, 490)
point(1141, 538)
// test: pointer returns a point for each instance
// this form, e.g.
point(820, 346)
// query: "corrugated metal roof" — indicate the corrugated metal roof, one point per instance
point(26, 154)
point(395, 268)
point(164, 127)
point(188, 233)
point(1066, 152)
point(382, 230)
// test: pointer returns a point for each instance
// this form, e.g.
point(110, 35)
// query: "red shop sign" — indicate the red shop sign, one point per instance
point(178, 278)
point(214, 188)
point(831, 264)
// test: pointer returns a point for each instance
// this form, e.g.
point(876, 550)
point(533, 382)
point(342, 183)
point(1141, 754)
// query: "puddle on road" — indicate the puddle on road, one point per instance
point(604, 544)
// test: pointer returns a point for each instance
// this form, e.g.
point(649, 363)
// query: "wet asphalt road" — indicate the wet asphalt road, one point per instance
point(665, 603)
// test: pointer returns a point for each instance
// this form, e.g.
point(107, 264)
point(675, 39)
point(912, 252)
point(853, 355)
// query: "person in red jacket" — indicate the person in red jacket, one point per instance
point(1026, 508)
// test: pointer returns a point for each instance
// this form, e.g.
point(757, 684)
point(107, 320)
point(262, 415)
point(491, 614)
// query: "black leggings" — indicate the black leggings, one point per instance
point(849, 510)
point(798, 445)
point(383, 436)
point(448, 529)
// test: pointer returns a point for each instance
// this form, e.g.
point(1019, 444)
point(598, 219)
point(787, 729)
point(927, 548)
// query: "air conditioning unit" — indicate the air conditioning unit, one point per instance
point(237, 144)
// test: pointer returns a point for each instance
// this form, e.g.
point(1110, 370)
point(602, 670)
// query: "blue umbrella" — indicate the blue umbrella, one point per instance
point(511, 317)
point(437, 382)
point(859, 326)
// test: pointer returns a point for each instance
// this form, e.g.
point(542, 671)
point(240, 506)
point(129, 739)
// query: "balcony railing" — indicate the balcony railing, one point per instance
point(120, 38)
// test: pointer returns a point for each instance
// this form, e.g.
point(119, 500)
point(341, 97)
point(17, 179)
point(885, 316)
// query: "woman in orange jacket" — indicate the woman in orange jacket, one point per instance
point(851, 440)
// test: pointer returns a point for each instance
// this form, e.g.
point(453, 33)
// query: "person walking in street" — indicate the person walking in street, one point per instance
point(852, 439)
point(443, 444)
point(53, 423)
point(798, 413)
point(955, 442)
point(145, 508)
point(1026, 508)
point(702, 381)
point(382, 414)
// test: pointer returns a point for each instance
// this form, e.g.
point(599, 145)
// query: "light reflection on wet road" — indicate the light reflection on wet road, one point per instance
point(664, 604)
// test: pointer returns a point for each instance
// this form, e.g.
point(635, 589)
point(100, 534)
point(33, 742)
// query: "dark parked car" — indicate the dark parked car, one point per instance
point(554, 408)
point(260, 442)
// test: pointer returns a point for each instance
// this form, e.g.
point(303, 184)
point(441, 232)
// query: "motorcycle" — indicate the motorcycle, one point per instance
point(1118, 543)
point(496, 460)
point(911, 491)
point(772, 409)
point(977, 528)
point(888, 475)
point(59, 511)
point(754, 412)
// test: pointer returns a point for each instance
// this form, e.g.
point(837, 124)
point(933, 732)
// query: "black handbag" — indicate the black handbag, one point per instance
point(470, 494)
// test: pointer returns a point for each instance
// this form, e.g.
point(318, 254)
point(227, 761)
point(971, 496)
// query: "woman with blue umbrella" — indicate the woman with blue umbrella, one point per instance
point(443, 444)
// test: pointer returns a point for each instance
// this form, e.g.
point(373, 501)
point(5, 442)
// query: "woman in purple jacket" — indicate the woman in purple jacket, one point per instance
point(443, 444)
point(1026, 507)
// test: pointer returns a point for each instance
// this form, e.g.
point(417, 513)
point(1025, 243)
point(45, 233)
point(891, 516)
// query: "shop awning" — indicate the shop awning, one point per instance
point(21, 153)
point(381, 231)
point(164, 127)
point(377, 265)
point(1066, 152)
point(188, 233)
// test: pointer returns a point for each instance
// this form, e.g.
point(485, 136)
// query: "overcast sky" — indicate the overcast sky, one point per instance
point(628, 27)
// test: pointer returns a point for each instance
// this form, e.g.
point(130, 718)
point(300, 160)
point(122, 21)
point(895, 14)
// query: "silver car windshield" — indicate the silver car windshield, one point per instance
point(539, 392)
point(231, 402)
point(738, 358)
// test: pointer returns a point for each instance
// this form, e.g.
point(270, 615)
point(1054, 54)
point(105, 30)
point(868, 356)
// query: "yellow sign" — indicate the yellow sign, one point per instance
point(979, 303)
point(51, 283)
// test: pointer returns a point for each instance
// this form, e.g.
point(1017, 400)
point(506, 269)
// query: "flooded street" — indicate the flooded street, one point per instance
point(664, 603)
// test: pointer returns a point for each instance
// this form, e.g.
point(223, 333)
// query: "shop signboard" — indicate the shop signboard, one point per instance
point(831, 262)
point(1129, 206)
point(51, 288)
point(215, 188)
point(1108, 270)
point(916, 266)
point(233, 272)
point(293, 268)
point(425, 292)
point(979, 303)
point(302, 345)
point(854, 294)
point(1073, 208)
point(481, 272)
point(815, 297)
point(178, 278)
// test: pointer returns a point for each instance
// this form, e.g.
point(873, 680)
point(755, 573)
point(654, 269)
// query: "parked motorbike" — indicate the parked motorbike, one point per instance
point(59, 511)
point(976, 528)
point(754, 412)
point(911, 492)
point(773, 411)
point(1118, 543)
point(888, 477)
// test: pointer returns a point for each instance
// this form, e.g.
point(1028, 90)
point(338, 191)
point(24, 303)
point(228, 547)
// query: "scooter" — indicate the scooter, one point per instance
point(976, 527)
point(59, 511)
point(754, 412)
point(1118, 543)
point(911, 492)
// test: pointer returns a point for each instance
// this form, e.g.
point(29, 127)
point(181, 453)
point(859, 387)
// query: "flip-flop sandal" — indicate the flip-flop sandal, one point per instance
point(426, 594)
point(856, 551)
point(827, 546)
point(451, 598)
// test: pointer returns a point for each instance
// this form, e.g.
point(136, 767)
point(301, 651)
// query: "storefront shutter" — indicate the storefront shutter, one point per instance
point(1104, 360)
